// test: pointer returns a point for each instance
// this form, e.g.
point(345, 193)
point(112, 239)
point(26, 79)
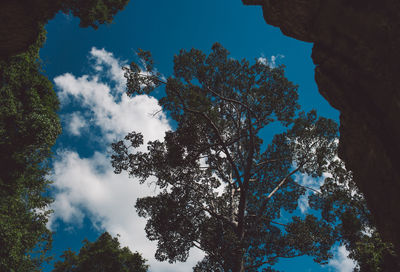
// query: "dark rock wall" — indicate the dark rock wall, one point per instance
point(18, 28)
point(357, 56)
point(21, 21)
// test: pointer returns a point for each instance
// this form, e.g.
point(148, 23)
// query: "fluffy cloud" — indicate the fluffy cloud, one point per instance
point(103, 58)
point(341, 261)
point(114, 114)
point(74, 123)
point(86, 187)
point(272, 61)
point(308, 182)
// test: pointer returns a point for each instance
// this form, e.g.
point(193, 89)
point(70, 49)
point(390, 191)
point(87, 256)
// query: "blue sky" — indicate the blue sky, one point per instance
point(85, 66)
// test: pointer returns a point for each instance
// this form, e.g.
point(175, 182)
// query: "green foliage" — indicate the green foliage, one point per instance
point(105, 254)
point(343, 207)
point(29, 127)
point(222, 190)
point(93, 12)
point(373, 254)
point(90, 12)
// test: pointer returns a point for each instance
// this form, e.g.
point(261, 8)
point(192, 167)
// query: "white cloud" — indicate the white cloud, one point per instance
point(114, 115)
point(87, 187)
point(341, 262)
point(104, 58)
point(310, 182)
point(75, 123)
point(272, 62)
point(262, 60)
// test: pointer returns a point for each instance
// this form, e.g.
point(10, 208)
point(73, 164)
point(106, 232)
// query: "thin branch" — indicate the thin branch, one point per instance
point(273, 222)
point(222, 143)
point(154, 77)
point(198, 245)
point(232, 100)
point(209, 146)
point(279, 223)
point(160, 80)
point(272, 160)
point(215, 128)
point(220, 217)
point(283, 181)
point(306, 187)
point(155, 113)
point(271, 259)
point(263, 205)
point(222, 175)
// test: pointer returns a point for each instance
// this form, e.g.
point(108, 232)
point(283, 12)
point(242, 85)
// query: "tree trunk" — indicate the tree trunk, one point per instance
point(238, 265)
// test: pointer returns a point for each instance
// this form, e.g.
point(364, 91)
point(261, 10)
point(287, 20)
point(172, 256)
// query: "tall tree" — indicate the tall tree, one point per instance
point(105, 254)
point(222, 190)
point(29, 126)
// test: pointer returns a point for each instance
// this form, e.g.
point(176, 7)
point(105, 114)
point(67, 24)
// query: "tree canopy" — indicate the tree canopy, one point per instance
point(90, 12)
point(222, 189)
point(93, 12)
point(105, 254)
point(29, 126)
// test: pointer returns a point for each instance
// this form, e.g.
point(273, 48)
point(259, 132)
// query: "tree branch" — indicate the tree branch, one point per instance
point(306, 187)
point(271, 259)
point(220, 139)
point(283, 181)
point(272, 160)
point(232, 100)
point(221, 217)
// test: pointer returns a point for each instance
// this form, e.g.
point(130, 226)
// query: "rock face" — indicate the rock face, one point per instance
point(357, 56)
point(18, 28)
point(20, 23)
